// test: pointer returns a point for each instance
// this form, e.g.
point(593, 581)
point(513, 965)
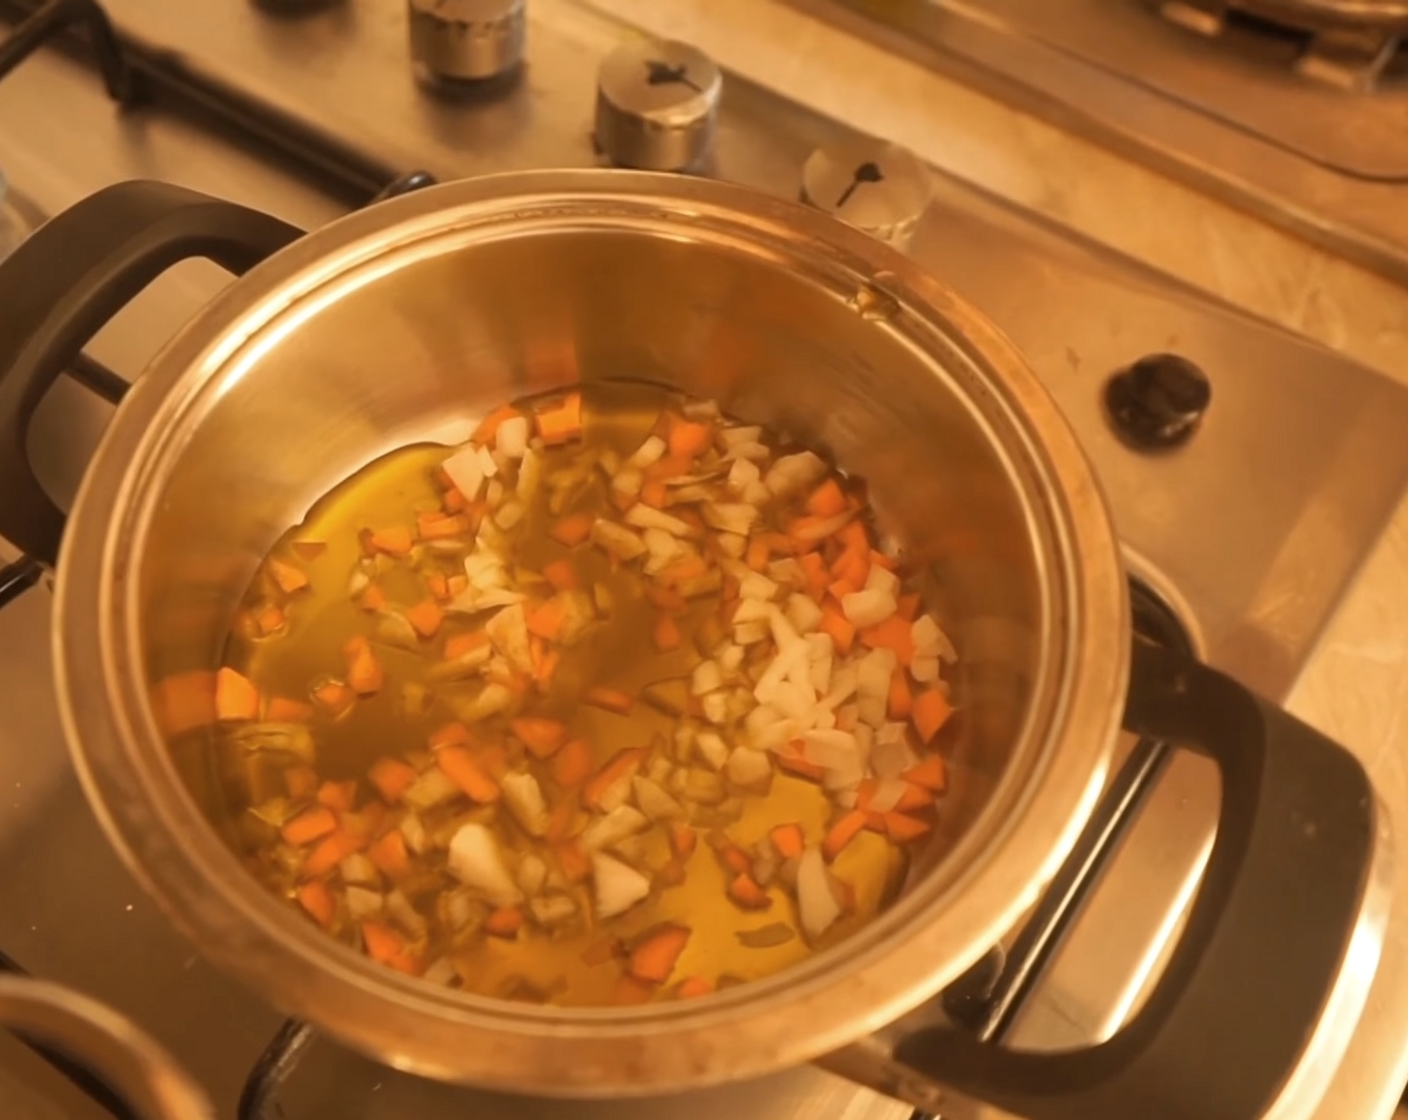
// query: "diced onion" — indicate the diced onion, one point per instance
point(618, 886)
point(758, 587)
point(466, 472)
point(930, 640)
point(512, 437)
point(475, 860)
point(525, 801)
point(731, 517)
point(925, 670)
point(706, 678)
point(622, 821)
point(748, 767)
point(648, 453)
point(363, 903)
point(711, 747)
point(654, 801)
point(617, 540)
point(793, 473)
point(882, 579)
point(867, 608)
point(508, 630)
point(816, 906)
point(803, 613)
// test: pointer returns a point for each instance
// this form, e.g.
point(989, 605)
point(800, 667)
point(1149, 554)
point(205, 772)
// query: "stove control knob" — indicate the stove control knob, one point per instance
point(877, 186)
point(656, 103)
point(1158, 402)
point(459, 42)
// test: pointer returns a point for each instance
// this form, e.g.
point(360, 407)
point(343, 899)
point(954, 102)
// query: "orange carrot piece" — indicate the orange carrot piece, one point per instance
point(546, 668)
point(563, 423)
point(814, 567)
point(364, 671)
point(655, 958)
point(388, 852)
point(618, 768)
point(560, 822)
point(745, 891)
point(683, 841)
point(629, 992)
point(546, 620)
point(694, 987)
point(851, 568)
point(931, 712)
point(457, 585)
point(269, 619)
point(310, 825)
point(489, 426)
point(461, 645)
point(671, 873)
point(392, 778)
point(574, 863)
point(835, 623)
point(339, 796)
point(909, 608)
point(504, 922)
point(853, 538)
point(688, 438)
point(902, 829)
point(879, 560)
point(331, 851)
point(184, 701)
point(459, 766)
point(666, 598)
point(931, 773)
point(543, 736)
point(901, 701)
point(372, 598)
point(894, 633)
point(914, 798)
point(654, 493)
point(573, 530)
point(561, 574)
point(667, 633)
point(609, 699)
point(758, 554)
point(426, 616)
point(453, 734)
point(788, 839)
point(681, 571)
point(438, 526)
point(334, 697)
point(394, 540)
point(286, 576)
point(384, 944)
point(801, 767)
point(318, 901)
point(437, 585)
point(846, 829)
point(827, 500)
point(301, 782)
point(236, 698)
point(310, 550)
point(283, 710)
point(572, 765)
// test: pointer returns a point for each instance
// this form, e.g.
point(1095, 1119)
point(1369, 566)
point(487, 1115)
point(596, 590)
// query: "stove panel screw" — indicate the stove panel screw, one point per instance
point(1157, 403)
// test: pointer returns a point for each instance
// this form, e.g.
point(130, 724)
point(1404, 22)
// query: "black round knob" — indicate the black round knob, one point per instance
point(1157, 403)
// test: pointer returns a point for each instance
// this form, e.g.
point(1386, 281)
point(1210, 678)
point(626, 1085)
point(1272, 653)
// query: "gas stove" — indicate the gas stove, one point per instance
point(1242, 538)
point(1293, 109)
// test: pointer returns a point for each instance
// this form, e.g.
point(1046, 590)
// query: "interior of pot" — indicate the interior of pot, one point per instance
point(419, 340)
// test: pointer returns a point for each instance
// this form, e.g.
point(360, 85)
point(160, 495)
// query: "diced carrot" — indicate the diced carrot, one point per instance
point(563, 423)
point(835, 623)
point(561, 574)
point(914, 798)
point(504, 922)
point(745, 891)
point(629, 992)
point(301, 782)
point(620, 767)
point(184, 701)
point(454, 734)
point(394, 540)
point(489, 426)
point(372, 598)
point(694, 987)
point(459, 766)
point(667, 633)
point(493, 760)
point(388, 852)
point(455, 502)
point(683, 841)
point(310, 825)
point(875, 822)
point(931, 712)
point(546, 620)
point(235, 695)
point(286, 576)
point(269, 619)
point(654, 493)
point(560, 822)
point(817, 576)
point(801, 767)
point(846, 829)
point(852, 568)
point(310, 550)
point(931, 773)
point(758, 554)
point(392, 778)
point(902, 829)
point(688, 438)
point(894, 633)
point(334, 697)
point(576, 865)
point(838, 589)
point(384, 944)
point(315, 897)
point(609, 699)
point(331, 851)
point(602, 950)
point(364, 671)
point(879, 560)
point(827, 500)
point(853, 538)
point(281, 709)
point(572, 765)
point(340, 796)
point(426, 616)
point(543, 736)
point(461, 645)
point(909, 608)
point(901, 701)
point(788, 839)
point(681, 571)
point(432, 526)
point(654, 958)
point(573, 530)
point(437, 585)
point(671, 873)
point(666, 598)
point(545, 669)
point(457, 585)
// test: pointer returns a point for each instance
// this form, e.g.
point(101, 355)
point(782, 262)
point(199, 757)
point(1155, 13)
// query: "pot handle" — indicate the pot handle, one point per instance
point(72, 275)
point(1268, 935)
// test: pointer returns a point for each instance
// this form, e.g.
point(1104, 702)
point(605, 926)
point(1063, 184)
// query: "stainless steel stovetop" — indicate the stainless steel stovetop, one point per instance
point(1252, 532)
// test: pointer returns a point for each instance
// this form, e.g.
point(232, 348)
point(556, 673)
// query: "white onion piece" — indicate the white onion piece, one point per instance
point(742, 475)
point(617, 540)
point(441, 971)
point(552, 910)
point(532, 874)
point(823, 529)
point(621, 822)
point(732, 545)
point(494, 492)
point(925, 670)
point(475, 860)
point(743, 433)
point(866, 608)
point(795, 701)
point(930, 640)
point(360, 870)
point(830, 749)
point(882, 579)
point(363, 903)
point(730, 517)
point(803, 613)
point(629, 482)
point(400, 910)
point(873, 674)
point(395, 629)
point(788, 572)
point(891, 755)
point(488, 463)
point(511, 439)
point(508, 515)
point(757, 587)
point(710, 746)
point(697, 409)
point(706, 678)
point(643, 516)
point(432, 788)
point(748, 767)
point(524, 798)
point(466, 471)
point(530, 474)
point(816, 906)
point(750, 633)
point(752, 610)
point(768, 729)
point(618, 886)
point(654, 801)
point(648, 453)
point(729, 657)
point(413, 829)
point(492, 699)
point(508, 631)
point(793, 473)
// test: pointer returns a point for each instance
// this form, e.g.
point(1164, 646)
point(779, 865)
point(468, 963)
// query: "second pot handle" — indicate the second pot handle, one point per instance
point(68, 279)
point(1264, 945)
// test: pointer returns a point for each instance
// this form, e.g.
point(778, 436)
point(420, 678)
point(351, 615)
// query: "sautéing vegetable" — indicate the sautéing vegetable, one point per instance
point(620, 700)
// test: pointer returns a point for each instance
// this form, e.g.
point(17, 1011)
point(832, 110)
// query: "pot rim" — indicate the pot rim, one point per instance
point(905, 957)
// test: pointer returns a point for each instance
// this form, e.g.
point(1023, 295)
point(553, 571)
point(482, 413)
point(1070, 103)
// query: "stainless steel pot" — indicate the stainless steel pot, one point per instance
point(403, 322)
